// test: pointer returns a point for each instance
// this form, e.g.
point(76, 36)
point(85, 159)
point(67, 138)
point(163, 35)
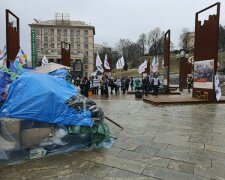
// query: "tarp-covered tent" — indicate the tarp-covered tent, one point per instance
point(45, 115)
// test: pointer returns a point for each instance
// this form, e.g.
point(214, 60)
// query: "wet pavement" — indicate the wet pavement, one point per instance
point(158, 142)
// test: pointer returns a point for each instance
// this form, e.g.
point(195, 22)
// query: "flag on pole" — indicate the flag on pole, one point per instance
point(100, 69)
point(94, 73)
point(44, 61)
point(120, 63)
point(22, 57)
point(16, 66)
point(98, 60)
point(217, 87)
point(142, 67)
point(106, 64)
point(99, 64)
point(155, 64)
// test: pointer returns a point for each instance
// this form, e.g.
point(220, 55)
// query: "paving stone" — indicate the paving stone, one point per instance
point(215, 148)
point(125, 164)
point(159, 161)
point(215, 173)
point(181, 166)
point(134, 156)
point(77, 176)
point(125, 145)
point(164, 173)
point(121, 174)
point(146, 150)
point(94, 169)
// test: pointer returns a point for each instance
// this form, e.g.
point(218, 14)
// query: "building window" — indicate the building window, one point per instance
point(59, 39)
point(86, 46)
point(45, 31)
point(86, 67)
point(59, 32)
point(71, 32)
point(52, 38)
point(78, 32)
point(65, 32)
point(52, 45)
point(45, 38)
point(37, 45)
point(86, 32)
point(52, 51)
point(58, 45)
point(85, 39)
point(38, 31)
point(78, 46)
point(46, 51)
point(86, 53)
point(52, 31)
point(45, 45)
point(71, 39)
point(78, 39)
point(65, 39)
point(72, 46)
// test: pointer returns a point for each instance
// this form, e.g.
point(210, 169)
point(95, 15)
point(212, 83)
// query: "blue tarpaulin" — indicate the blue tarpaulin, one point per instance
point(41, 97)
point(62, 73)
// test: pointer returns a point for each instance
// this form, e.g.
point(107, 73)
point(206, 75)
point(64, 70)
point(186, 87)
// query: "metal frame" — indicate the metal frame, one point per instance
point(65, 54)
point(206, 43)
point(12, 37)
point(167, 58)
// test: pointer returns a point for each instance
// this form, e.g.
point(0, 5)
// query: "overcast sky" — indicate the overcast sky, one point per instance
point(113, 19)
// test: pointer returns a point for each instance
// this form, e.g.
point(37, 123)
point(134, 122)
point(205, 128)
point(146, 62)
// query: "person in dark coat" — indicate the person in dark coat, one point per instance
point(145, 84)
point(86, 86)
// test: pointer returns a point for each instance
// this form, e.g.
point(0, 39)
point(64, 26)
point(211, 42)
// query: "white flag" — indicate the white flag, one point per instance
point(155, 64)
point(44, 61)
point(120, 63)
point(106, 64)
point(217, 87)
point(142, 67)
point(94, 73)
point(98, 60)
point(100, 69)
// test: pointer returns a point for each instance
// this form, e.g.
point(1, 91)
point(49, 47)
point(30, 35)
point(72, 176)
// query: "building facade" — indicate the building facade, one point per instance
point(46, 38)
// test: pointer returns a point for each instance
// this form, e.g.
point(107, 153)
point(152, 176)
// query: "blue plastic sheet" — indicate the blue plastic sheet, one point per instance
point(41, 97)
point(4, 79)
point(62, 73)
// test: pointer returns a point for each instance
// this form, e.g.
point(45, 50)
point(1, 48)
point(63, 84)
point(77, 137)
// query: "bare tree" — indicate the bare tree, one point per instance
point(142, 42)
point(155, 41)
point(185, 39)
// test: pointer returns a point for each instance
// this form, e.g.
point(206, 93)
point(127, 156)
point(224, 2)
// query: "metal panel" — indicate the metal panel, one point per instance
point(206, 43)
point(65, 54)
point(167, 59)
point(12, 37)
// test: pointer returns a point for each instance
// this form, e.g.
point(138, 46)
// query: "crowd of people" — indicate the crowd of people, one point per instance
point(105, 85)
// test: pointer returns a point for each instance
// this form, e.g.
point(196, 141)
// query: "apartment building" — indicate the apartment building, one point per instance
point(46, 38)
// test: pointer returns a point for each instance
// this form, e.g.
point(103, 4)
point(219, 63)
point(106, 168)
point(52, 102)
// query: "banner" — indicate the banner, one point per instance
point(33, 48)
point(22, 57)
point(203, 74)
point(142, 67)
point(106, 64)
point(217, 87)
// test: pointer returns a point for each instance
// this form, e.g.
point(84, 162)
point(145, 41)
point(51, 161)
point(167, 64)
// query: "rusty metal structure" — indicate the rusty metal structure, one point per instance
point(206, 43)
point(184, 69)
point(167, 60)
point(65, 54)
point(12, 36)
